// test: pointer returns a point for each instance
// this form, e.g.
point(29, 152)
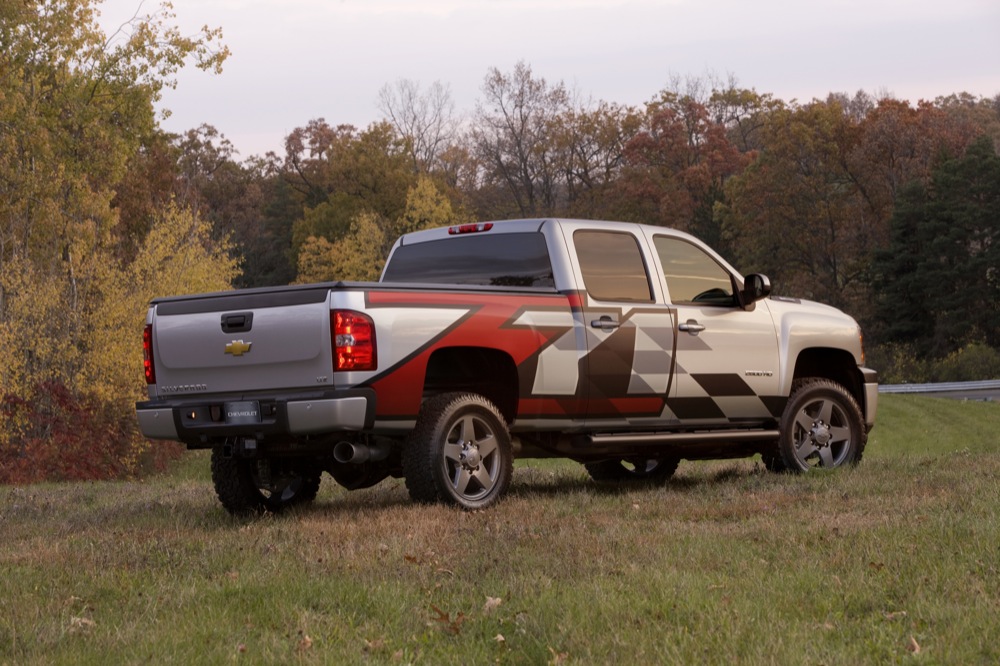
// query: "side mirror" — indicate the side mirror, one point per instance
point(755, 287)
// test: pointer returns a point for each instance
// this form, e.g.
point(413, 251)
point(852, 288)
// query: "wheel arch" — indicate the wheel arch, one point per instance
point(837, 365)
point(488, 372)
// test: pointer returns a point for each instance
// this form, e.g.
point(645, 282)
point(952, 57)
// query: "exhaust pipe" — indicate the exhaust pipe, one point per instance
point(356, 454)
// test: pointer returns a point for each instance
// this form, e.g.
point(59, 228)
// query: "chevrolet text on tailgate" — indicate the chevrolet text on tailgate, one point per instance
point(621, 346)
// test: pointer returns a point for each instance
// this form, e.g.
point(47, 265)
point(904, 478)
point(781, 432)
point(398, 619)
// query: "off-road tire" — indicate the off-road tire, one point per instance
point(821, 427)
point(459, 452)
point(240, 493)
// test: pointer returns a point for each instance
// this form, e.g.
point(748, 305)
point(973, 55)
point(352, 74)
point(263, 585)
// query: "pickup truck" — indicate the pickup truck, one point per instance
point(621, 346)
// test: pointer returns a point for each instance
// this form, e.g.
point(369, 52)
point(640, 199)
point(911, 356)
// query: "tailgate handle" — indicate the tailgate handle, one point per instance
point(237, 322)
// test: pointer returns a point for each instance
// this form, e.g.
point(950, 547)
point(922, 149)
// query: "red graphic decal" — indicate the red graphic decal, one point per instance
point(399, 390)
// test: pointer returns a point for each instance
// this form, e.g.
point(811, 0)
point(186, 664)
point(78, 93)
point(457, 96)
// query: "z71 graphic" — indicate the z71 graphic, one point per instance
point(624, 347)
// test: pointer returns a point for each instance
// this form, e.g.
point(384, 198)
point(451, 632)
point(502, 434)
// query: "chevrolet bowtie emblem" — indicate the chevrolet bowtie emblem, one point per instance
point(238, 347)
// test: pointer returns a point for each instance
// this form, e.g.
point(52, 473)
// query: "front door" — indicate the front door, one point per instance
point(727, 357)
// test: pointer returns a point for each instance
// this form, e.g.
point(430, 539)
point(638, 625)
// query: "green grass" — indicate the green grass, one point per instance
point(895, 561)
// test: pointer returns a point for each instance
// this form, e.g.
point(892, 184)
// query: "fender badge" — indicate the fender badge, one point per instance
point(238, 347)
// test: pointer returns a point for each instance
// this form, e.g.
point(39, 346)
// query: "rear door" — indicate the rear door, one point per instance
point(626, 374)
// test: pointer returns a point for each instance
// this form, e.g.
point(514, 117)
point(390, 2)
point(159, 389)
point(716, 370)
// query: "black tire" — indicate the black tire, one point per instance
point(459, 452)
point(248, 486)
point(821, 427)
point(649, 470)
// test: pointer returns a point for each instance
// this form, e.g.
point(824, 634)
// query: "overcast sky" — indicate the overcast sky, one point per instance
point(294, 60)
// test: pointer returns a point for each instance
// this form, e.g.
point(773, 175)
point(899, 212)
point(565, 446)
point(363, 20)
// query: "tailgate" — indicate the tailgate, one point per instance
point(241, 343)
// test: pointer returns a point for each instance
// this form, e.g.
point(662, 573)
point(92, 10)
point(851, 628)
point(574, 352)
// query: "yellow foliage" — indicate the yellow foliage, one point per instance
point(358, 256)
point(79, 322)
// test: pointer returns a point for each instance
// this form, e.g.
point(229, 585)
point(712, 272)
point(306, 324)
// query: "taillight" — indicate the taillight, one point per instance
point(353, 341)
point(147, 354)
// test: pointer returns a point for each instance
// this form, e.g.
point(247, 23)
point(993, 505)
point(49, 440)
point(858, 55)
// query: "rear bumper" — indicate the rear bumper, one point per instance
point(200, 421)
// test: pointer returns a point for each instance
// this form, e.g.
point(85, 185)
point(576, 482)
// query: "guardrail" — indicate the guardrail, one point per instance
point(941, 387)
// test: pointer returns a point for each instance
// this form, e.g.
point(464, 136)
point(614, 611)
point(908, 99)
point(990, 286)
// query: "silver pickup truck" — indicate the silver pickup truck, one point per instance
point(621, 346)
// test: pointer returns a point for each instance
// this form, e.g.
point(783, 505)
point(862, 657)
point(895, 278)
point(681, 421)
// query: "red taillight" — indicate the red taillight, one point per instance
point(353, 341)
point(147, 354)
point(470, 228)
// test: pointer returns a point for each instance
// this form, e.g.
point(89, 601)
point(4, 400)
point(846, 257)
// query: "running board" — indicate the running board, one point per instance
point(681, 438)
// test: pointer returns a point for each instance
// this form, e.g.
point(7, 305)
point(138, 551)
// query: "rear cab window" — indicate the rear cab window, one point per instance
point(519, 259)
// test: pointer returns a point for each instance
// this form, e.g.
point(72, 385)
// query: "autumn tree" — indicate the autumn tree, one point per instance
point(793, 213)
point(589, 144)
point(513, 132)
point(339, 173)
point(361, 253)
point(676, 167)
point(77, 106)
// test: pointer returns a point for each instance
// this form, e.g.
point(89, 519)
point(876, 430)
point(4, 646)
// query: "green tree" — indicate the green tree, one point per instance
point(939, 281)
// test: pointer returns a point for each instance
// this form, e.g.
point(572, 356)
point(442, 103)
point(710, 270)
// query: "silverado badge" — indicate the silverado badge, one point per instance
point(238, 347)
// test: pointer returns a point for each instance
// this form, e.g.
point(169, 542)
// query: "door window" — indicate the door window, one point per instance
point(612, 266)
point(692, 275)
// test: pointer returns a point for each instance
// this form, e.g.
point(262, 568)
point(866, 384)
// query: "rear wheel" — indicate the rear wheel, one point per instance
point(821, 427)
point(459, 452)
point(248, 486)
point(655, 470)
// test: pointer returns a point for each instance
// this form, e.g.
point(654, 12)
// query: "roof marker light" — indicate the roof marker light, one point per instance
point(470, 228)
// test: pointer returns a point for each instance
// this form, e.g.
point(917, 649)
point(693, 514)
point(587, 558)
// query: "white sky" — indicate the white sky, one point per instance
point(295, 60)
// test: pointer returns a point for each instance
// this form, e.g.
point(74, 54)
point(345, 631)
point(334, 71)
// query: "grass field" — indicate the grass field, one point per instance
point(895, 561)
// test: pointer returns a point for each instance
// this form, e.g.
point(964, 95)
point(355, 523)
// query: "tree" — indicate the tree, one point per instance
point(590, 148)
point(676, 167)
point(940, 279)
point(793, 213)
point(426, 120)
point(513, 133)
point(77, 108)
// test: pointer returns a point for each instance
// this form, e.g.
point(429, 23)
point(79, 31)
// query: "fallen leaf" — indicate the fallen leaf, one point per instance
point(450, 625)
point(500, 639)
point(241, 648)
point(558, 657)
point(375, 645)
point(895, 615)
point(81, 624)
point(913, 646)
point(305, 643)
point(492, 603)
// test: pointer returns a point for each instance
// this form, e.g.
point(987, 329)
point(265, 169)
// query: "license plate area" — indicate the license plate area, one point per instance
point(241, 412)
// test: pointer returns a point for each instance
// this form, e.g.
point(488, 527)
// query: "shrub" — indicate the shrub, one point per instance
point(973, 362)
point(54, 435)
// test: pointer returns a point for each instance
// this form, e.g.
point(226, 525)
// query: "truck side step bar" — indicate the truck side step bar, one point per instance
point(680, 438)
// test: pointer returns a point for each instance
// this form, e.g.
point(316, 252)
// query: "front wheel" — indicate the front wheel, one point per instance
point(821, 427)
point(459, 452)
point(248, 486)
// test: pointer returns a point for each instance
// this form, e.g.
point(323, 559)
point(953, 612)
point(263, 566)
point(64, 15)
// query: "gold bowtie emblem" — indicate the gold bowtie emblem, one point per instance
point(238, 347)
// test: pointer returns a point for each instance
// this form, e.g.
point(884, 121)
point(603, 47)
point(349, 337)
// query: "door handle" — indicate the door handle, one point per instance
point(604, 323)
point(691, 326)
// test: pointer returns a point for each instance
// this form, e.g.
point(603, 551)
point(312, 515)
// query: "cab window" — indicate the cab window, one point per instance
point(692, 275)
point(612, 266)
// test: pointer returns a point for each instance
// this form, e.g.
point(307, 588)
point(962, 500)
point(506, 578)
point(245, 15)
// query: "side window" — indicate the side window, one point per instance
point(693, 276)
point(612, 266)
